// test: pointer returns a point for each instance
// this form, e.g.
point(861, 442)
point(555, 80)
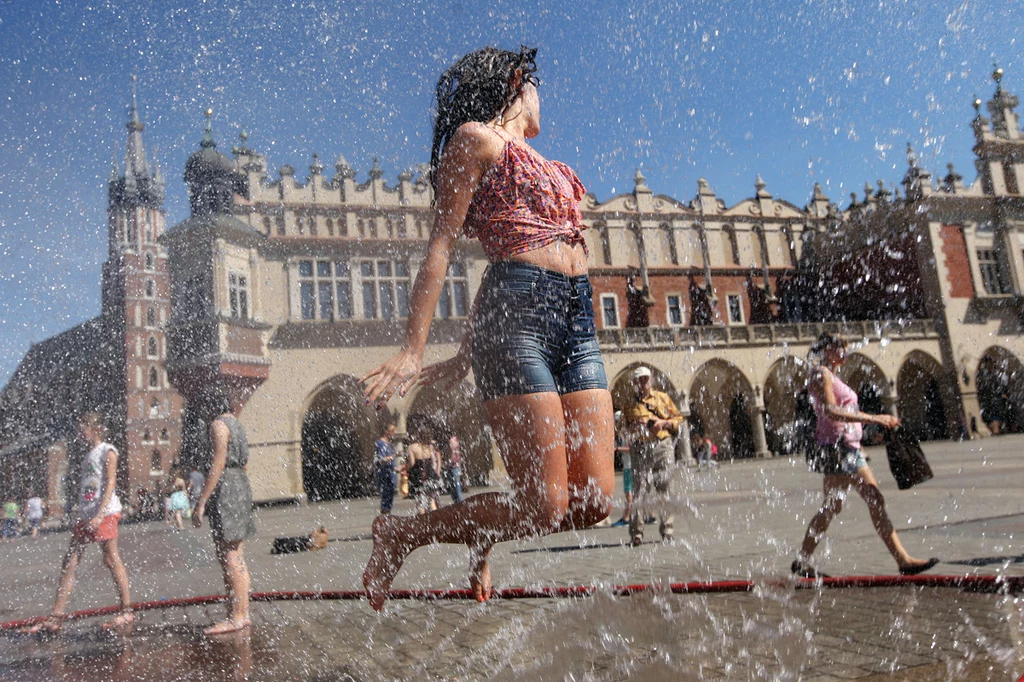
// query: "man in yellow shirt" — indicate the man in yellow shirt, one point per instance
point(653, 421)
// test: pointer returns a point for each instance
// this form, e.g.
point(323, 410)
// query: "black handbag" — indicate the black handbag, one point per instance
point(906, 459)
point(825, 458)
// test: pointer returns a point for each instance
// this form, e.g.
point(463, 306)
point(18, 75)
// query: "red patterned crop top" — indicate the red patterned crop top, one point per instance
point(525, 202)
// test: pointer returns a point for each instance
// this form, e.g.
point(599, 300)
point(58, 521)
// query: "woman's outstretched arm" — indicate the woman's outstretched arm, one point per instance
point(470, 153)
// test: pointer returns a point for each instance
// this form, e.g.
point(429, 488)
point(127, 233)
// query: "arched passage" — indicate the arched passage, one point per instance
point(722, 408)
point(924, 406)
point(872, 388)
point(785, 381)
point(1000, 383)
point(338, 431)
point(461, 411)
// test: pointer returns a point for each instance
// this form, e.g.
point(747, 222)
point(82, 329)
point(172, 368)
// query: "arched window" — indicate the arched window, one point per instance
point(149, 261)
point(156, 462)
point(330, 227)
point(299, 226)
point(266, 225)
point(312, 225)
point(361, 226)
point(147, 436)
point(151, 317)
point(154, 378)
point(151, 347)
point(150, 289)
point(130, 230)
point(163, 435)
point(390, 227)
point(154, 408)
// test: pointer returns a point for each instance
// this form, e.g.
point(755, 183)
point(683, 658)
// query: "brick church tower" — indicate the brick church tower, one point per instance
point(136, 308)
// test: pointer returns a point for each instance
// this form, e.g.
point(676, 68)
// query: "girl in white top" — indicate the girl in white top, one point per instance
point(98, 512)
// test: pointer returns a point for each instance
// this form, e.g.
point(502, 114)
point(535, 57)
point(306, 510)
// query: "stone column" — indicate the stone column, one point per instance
point(684, 450)
point(757, 425)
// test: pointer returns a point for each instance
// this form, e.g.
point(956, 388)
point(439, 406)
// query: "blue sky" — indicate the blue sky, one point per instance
point(796, 91)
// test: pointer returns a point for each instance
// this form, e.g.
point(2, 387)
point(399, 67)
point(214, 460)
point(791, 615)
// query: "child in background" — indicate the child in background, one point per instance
point(98, 513)
point(179, 506)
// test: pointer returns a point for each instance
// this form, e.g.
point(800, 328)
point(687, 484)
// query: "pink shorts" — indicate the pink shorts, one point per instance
point(107, 531)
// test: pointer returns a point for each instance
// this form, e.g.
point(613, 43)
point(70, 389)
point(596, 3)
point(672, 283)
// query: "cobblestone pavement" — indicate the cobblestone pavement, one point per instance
point(739, 521)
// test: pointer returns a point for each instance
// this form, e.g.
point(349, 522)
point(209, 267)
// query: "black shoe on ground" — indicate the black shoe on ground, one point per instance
point(804, 571)
point(914, 570)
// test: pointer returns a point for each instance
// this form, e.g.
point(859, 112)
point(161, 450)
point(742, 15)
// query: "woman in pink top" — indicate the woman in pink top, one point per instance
point(531, 340)
point(840, 459)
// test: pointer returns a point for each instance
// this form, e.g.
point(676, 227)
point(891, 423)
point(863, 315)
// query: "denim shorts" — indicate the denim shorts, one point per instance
point(837, 459)
point(533, 332)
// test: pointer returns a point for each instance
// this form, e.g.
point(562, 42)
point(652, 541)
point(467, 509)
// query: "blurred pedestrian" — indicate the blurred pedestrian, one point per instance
point(653, 421)
point(97, 516)
point(622, 450)
point(840, 459)
point(11, 517)
point(35, 509)
point(178, 504)
point(705, 450)
point(227, 492)
point(423, 462)
point(451, 461)
point(384, 464)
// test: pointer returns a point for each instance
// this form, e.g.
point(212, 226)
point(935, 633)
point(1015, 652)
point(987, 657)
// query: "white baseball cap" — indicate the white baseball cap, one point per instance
point(641, 372)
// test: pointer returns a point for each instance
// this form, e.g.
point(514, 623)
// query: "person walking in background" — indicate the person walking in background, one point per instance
point(840, 458)
point(384, 465)
point(622, 449)
point(530, 333)
point(423, 463)
point(451, 461)
point(227, 492)
point(35, 509)
point(11, 517)
point(96, 520)
point(653, 421)
point(178, 504)
point(704, 450)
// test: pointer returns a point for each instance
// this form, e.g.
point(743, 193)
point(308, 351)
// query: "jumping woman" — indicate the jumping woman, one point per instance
point(531, 337)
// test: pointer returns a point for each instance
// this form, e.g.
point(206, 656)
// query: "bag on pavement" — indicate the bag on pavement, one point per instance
point(906, 459)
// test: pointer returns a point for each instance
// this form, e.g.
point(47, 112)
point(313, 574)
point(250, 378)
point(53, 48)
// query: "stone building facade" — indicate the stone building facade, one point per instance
point(722, 302)
point(285, 292)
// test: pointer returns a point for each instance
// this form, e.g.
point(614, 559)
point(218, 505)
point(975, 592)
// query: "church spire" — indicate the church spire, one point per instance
point(135, 157)
point(136, 186)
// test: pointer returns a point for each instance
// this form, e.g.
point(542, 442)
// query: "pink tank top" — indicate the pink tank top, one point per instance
point(830, 431)
point(525, 202)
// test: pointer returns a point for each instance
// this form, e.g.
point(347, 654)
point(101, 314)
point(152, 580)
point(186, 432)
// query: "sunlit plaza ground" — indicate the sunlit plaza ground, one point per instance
point(742, 520)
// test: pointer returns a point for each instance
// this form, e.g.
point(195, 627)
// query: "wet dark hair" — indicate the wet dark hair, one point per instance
point(419, 428)
point(478, 88)
point(94, 420)
point(827, 341)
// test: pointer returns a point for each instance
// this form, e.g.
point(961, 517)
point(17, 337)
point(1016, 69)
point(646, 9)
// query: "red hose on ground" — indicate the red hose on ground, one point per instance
point(979, 583)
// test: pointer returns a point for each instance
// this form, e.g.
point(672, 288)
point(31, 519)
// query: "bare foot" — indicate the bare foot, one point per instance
point(915, 566)
point(480, 572)
point(227, 626)
point(123, 618)
point(386, 559)
point(49, 626)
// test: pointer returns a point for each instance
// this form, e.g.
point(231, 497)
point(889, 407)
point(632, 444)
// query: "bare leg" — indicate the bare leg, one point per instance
point(835, 488)
point(867, 487)
point(531, 435)
point(112, 560)
point(236, 581)
point(64, 588)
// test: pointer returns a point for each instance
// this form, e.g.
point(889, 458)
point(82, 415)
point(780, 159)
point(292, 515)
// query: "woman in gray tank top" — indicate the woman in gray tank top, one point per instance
point(226, 499)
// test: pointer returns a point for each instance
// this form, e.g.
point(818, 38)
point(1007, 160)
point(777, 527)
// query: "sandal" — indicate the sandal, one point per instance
point(803, 571)
point(919, 568)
